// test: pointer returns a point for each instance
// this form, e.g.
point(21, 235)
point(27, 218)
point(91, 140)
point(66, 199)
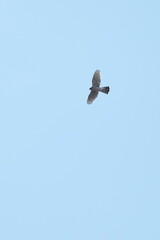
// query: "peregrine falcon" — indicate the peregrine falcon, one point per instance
point(95, 87)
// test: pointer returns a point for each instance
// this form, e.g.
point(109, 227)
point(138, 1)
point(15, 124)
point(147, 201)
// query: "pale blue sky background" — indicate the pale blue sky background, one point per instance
point(69, 170)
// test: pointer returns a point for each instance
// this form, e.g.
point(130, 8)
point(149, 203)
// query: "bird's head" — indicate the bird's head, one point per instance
point(90, 88)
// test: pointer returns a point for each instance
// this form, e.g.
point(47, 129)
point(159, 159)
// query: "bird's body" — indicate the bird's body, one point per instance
point(95, 89)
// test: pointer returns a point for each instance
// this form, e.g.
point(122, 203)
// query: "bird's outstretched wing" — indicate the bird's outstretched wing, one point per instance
point(96, 80)
point(93, 94)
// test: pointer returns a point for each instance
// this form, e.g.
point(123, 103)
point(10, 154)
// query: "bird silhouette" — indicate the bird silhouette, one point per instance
point(95, 89)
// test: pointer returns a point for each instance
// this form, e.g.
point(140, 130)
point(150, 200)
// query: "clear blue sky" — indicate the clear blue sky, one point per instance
point(68, 170)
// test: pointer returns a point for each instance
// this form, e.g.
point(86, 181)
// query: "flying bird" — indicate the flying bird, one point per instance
point(95, 89)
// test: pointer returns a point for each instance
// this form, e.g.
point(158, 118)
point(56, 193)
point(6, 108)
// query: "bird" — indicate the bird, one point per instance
point(95, 89)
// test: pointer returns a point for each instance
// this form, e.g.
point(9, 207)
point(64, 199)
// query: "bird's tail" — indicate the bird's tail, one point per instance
point(105, 90)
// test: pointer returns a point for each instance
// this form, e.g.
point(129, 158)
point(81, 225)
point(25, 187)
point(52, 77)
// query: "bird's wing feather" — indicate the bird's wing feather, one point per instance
point(96, 80)
point(93, 94)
